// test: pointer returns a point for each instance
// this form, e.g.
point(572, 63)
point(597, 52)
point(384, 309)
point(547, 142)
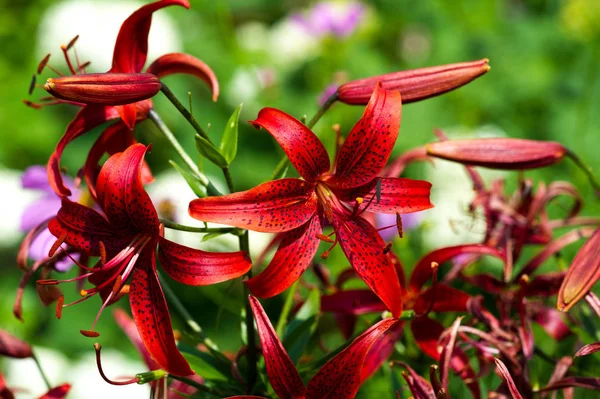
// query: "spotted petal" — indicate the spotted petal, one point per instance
point(153, 321)
point(353, 302)
point(294, 254)
point(88, 118)
point(445, 299)
point(302, 147)
point(369, 145)
point(364, 248)
point(169, 64)
point(275, 206)
point(341, 376)
point(283, 376)
point(131, 47)
point(195, 267)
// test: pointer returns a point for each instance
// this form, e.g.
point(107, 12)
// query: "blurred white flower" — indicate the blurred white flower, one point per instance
point(247, 82)
point(13, 205)
point(97, 23)
point(23, 376)
point(290, 43)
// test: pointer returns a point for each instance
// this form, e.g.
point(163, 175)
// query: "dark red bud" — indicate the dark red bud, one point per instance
point(13, 347)
point(415, 84)
point(499, 153)
point(104, 88)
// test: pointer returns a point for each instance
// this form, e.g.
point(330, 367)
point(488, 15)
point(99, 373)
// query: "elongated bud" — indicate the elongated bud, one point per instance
point(583, 273)
point(104, 88)
point(499, 153)
point(12, 346)
point(415, 84)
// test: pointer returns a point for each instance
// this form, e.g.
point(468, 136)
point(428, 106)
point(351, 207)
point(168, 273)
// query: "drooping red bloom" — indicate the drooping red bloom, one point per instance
point(59, 392)
point(129, 57)
point(299, 207)
point(125, 238)
point(340, 377)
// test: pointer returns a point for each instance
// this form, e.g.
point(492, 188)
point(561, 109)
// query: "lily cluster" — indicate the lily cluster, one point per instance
point(110, 230)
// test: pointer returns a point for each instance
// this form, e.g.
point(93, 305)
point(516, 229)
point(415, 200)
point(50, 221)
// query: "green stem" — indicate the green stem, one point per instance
point(185, 315)
point(176, 226)
point(168, 134)
point(586, 169)
point(251, 356)
point(41, 370)
point(326, 105)
point(183, 110)
point(283, 163)
point(197, 385)
point(287, 307)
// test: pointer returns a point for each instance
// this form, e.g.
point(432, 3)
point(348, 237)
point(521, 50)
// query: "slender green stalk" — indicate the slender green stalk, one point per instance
point(251, 355)
point(168, 134)
point(283, 163)
point(285, 311)
point(41, 370)
point(586, 169)
point(326, 105)
point(176, 226)
point(197, 385)
point(183, 110)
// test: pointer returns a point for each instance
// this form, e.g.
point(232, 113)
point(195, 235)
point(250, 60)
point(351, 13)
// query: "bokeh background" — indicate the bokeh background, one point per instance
point(544, 84)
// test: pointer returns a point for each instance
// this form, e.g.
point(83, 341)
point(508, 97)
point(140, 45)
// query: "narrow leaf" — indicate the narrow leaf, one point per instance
point(229, 140)
point(211, 153)
point(191, 180)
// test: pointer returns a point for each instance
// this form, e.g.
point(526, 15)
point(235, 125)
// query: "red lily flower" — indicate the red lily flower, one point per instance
point(298, 207)
point(129, 57)
point(59, 392)
point(126, 240)
point(338, 378)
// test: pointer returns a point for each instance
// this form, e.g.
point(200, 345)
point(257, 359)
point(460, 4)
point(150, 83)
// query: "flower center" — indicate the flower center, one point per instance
point(330, 203)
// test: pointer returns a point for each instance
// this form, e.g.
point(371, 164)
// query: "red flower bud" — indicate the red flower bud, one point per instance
point(499, 153)
point(13, 347)
point(416, 84)
point(104, 88)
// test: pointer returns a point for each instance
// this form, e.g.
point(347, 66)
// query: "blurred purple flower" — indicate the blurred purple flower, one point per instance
point(409, 222)
point(40, 211)
point(331, 18)
point(328, 92)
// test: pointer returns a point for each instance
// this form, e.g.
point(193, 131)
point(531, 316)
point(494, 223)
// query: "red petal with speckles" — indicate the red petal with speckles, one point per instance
point(302, 147)
point(131, 47)
point(353, 302)
point(341, 376)
point(446, 299)
point(427, 333)
point(87, 119)
point(130, 329)
point(582, 274)
point(283, 376)
point(369, 145)
point(195, 267)
point(381, 350)
point(396, 195)
point(152, 319)
point(58, 392)
point(170, 64)
point(422, 271)
point(364, 248)
point(121, 195)
point(84, 229)
point(294, 254)
point(272, 207)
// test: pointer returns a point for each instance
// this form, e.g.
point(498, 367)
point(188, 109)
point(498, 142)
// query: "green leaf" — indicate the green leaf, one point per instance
point(281, 169)
point(205, 364)
point(303, 326)
point(210, 236)
point(229, 140)
point(210, 152)
point(192, 181)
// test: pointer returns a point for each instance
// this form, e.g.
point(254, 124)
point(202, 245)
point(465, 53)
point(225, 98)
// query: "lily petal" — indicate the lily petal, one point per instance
point(364, 248)
point(131, 47)
point(151, 315)
point(582, 274)
point(88, 118)
point(294, 254)
point(422, 271)
point(58, 392)
point(427, 332)
point(503, 371)
point(303, 147)
point(381, 350)
point(195, 267)
point(341, 376)
point(12, 346)
point(353, 302)
point(128, 114)
point(552, 322)
point(369, 145)
point(283, 376)
point(84, 228)
point(172, 63)
point(272, 207)
point(446, 299)
point(396, 195)
point(121, 194)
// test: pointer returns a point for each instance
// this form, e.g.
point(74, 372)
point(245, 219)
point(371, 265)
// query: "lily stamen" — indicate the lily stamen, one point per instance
point(98, 348)
point(434, 276)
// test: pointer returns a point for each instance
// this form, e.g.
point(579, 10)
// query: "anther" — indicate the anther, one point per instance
point(50, 281)
point(32, 84)
point(57, 244)
point(387, 248)
point(59, 306)
point(399, 225)
point(89, 333)
point(83, 293)
point(325, 238)
point(43, 64)
point(72, 42)
point(102, 253)
point(117, 286)
point(32, 104)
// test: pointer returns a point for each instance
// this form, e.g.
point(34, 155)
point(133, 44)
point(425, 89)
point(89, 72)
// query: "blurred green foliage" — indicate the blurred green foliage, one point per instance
point(544, 84)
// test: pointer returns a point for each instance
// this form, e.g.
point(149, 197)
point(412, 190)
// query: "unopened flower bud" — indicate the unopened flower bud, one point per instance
point(499, 153)
point(416, 84)
point(104, 88)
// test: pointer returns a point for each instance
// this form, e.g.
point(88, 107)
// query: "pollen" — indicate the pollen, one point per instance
point(83, 293)
point(59, 306)
point(89, 333)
